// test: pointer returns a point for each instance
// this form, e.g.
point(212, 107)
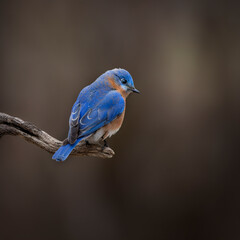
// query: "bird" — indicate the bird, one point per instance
point(99, 111)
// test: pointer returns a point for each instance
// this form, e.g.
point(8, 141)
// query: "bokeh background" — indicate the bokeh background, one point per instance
point(176, 170)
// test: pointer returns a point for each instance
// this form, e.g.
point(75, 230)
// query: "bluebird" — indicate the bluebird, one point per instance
point(99, 110)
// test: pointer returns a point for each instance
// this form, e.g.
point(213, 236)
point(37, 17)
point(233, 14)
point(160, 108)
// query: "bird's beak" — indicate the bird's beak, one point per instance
point(135, 90)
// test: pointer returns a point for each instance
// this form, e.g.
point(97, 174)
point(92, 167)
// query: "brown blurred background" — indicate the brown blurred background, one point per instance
point(176, 170)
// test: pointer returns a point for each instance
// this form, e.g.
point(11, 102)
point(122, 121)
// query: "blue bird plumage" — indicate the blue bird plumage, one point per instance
point(63, 152)
point(98, 111)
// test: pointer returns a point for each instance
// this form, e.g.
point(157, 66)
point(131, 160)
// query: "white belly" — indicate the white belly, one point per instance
point(102, 132)
point(94, 138)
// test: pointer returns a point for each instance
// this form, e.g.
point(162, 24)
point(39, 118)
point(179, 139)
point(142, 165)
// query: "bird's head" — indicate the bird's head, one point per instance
point(123, 81)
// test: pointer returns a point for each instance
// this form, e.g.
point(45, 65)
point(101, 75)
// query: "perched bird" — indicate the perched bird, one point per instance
point(99, 110)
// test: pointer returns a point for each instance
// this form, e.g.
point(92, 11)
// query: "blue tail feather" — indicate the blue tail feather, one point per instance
point(63, 152)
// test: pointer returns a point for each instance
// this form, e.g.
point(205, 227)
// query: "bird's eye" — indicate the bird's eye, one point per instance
point(123, 80)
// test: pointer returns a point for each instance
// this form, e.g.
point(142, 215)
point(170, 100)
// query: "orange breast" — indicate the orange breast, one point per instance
point(114, 126)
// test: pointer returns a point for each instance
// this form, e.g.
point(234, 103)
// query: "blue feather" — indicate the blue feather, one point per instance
point(63, 152)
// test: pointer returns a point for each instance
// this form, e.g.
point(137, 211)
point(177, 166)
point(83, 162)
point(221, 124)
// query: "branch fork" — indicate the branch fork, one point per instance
point(14, 126)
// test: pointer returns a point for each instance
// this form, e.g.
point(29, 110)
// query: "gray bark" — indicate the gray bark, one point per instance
point(14, 126)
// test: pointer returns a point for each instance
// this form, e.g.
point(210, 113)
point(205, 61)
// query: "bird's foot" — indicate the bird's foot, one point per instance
point(87, 143)
point(105, 143)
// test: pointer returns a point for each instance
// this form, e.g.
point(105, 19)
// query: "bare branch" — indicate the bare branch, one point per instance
point(10, 125)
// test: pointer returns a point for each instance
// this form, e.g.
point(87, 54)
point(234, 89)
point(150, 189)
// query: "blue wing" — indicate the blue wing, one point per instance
point(105, 111)
point(74, 123)
point(84, 123)
point(91, 114)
